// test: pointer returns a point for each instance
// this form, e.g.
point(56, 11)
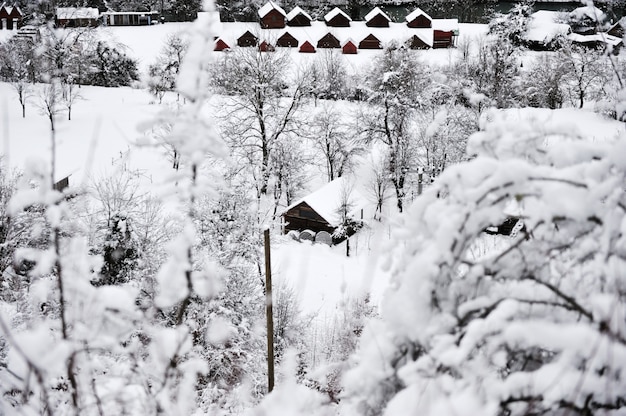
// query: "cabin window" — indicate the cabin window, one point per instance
point(305, 213)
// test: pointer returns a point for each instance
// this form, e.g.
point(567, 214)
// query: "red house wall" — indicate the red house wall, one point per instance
point(273, 20)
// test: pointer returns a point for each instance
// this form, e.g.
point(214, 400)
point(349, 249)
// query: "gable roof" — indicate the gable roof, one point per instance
point(334, 13)
point(268, 7)
point(327, 200)
point(374, 12)
point(296, 11)
point(415, 14)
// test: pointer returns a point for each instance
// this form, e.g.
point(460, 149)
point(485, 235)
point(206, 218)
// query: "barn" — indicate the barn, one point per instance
point(247, 39)
point(10, 17)
point(337, 18)
point(220, 45)
point(349, 48)
point(321, 210)
point(328, 41)
point(272, 16)
point(77, 17)
point(418, 19)
point(286, 40)
point(307, 47)
point(298, 17)
point(370, 42)
point(377, 18)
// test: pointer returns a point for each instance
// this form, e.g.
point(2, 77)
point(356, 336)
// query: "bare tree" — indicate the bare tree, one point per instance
point(261, 109)
point(587, 71)
point(336, 140)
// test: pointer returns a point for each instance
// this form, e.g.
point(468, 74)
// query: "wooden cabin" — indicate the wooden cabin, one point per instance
point(247, 39)
point(337, 18)
point(272, 16)
point(416, 42)
point(287, 41)
point(418, 19)
point(220, 45)
point(349, 48)
point(11, 17)
point(617, 29)
point(328, 41)
point(266, 47)
point(320, 210)
point(377, 18)
point(370, 42)
point(77, 17)
point(298, 17)
point(307, 47)
point(443, 39)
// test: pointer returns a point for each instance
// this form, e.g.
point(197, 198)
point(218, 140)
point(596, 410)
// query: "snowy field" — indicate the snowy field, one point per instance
point(105, 126)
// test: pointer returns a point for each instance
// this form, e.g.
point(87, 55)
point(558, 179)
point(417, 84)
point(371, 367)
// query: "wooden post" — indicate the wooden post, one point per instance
point(268, 313)
point(420, 173)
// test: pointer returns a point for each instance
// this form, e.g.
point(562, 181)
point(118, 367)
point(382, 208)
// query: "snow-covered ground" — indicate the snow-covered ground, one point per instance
point(104, 128)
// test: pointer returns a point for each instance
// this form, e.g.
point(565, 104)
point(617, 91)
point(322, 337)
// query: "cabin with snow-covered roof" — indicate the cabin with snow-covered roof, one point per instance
point(247, 40)
point(370, 42)
point(307, 47)
point(377, 18)
point(328, 41)
point(220, 45)
point(322, 210)
point(272, 16)
point(11, 17)
point(420, 41)
point(286, 40)
point(337, 18)
point(418, 19)
point(298, 17)
point(348, 47)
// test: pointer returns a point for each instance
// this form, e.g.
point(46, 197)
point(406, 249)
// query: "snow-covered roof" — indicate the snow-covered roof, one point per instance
point(447, 25)
point(268, 7)
point(296, 11)
point(334, 12)
point(426, 35)
point(398, 32)
point(376, 11)
point(597, 37)
point(544, 27)
point(77, 13)
point(415, 13)
point(588, 12)
point(327, 200)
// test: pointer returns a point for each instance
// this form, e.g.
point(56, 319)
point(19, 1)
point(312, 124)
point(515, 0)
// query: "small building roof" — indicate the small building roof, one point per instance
point(588, 12)
point(544, 26)
point(597, 37)
point(77, 13)
point(296, 11)
point(268, 7)
point(334, 12)
point(415, 13)
point(327, 200)
point(374, 12)
point(447, 25)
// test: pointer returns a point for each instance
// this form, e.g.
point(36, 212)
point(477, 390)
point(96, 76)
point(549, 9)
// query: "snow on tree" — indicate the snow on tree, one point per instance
point(395, 86)
point(262, 109)
point(533, 326)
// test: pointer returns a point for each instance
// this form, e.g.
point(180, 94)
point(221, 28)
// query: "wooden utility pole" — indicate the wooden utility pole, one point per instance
point(268, 313)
